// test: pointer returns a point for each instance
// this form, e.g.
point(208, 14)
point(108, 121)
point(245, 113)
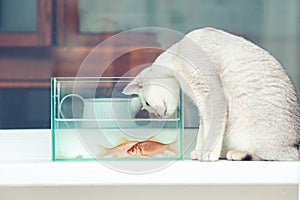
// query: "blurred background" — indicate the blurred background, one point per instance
point(44, 38)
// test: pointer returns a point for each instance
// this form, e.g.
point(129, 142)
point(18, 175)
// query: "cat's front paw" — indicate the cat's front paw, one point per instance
point(207, 157)
point(241, 155)
point(194, 155)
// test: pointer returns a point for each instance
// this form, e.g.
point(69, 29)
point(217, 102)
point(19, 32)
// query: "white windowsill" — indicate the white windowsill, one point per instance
point(180, 173)
point(25, 160)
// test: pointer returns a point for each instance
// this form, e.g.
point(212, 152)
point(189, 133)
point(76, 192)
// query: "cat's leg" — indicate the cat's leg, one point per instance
point(210, 135)
point(213, 154)
point(214, 122)
point(241, 155)
point(199, 143)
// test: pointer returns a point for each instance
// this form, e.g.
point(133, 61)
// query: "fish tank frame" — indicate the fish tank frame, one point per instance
point(91, 117)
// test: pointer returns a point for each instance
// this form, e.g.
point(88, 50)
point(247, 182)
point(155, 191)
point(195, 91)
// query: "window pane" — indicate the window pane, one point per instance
point(98, 16)
point(272, 24)
point(18, 15)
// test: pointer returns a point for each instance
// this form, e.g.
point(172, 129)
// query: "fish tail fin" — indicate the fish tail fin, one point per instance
point(102, 150)
point(154, 139)
point(121, 141)
point(173, 147)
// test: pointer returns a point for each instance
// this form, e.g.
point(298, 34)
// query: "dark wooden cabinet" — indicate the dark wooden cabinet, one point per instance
point(56, 47)
point(40, 32)
point(71, 33)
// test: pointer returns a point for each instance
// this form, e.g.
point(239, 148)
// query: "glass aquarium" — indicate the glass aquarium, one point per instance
point(91, 119)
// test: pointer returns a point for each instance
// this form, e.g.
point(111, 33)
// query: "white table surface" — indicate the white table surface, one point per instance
point(25, 159)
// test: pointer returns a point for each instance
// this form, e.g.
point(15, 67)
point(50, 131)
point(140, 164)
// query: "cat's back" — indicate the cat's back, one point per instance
point(242, 64)
point(225, 47)
point(258, 89)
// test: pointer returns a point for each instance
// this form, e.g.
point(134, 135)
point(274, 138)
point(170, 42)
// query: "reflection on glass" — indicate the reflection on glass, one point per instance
point(18, 15)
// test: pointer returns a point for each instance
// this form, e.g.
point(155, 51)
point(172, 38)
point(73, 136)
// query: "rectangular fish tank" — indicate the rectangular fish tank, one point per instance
point(92, 119)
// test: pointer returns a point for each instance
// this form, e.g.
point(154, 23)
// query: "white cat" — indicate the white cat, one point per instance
point(231, 81)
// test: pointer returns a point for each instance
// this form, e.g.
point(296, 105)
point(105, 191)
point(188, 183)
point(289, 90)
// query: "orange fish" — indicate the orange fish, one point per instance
point(150, 148)
point(117, 151)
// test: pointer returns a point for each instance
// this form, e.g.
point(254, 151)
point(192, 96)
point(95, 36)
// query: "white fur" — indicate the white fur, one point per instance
point(149, 85)
point(257, 108)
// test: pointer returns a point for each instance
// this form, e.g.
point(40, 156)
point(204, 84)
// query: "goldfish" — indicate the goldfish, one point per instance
point(151, 148)
point(118, 151)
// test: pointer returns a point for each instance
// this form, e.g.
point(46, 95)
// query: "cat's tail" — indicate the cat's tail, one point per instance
point(297, 146)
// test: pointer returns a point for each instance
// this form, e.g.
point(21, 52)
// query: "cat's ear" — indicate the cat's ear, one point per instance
point(133, 88)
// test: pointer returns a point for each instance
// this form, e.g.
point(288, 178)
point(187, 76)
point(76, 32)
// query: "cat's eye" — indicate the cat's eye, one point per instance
point(147, 104)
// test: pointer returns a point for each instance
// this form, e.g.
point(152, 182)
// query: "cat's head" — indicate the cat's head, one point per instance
point(159, 95)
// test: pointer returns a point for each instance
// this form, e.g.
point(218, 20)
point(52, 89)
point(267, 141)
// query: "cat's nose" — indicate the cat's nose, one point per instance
point(160, 111)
